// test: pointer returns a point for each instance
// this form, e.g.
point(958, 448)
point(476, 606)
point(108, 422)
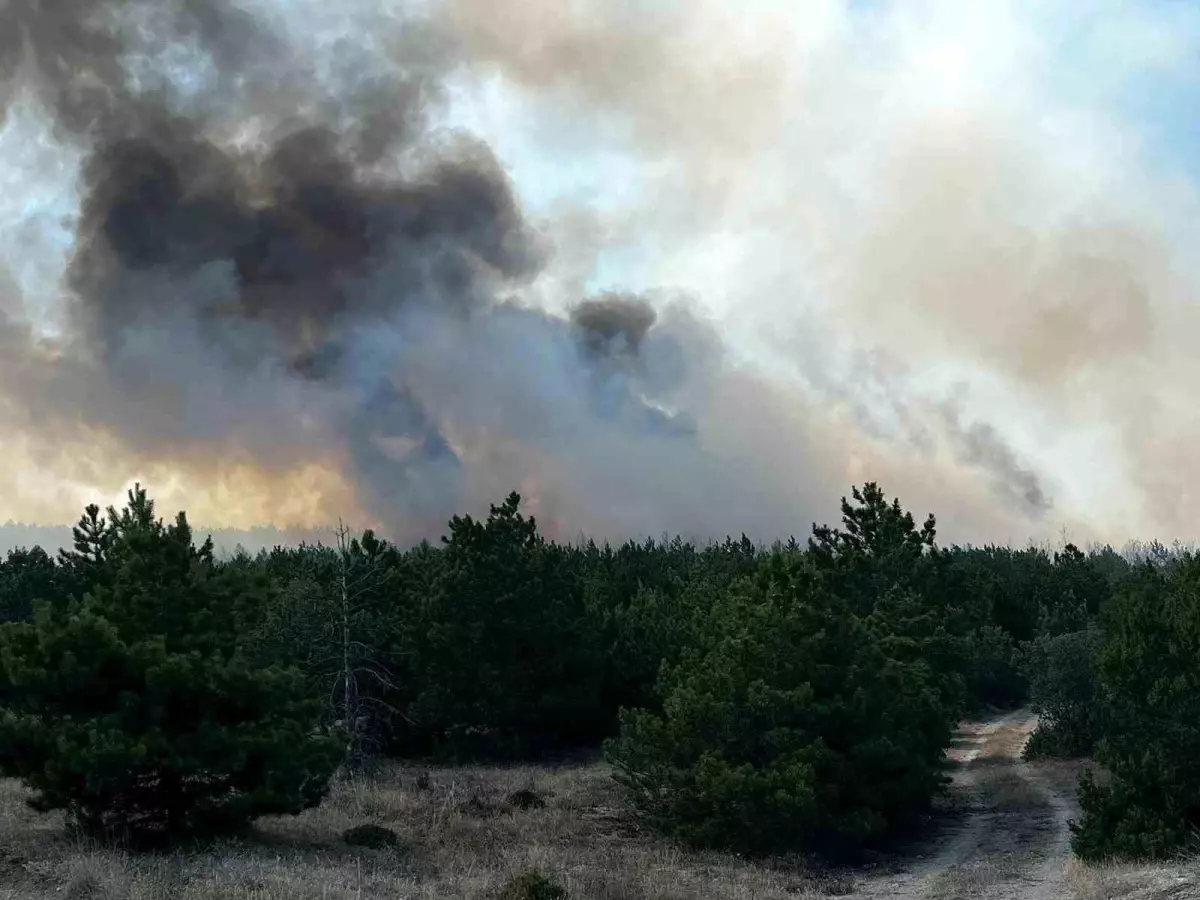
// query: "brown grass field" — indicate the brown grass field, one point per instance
point(461, 837)
point(458, 839)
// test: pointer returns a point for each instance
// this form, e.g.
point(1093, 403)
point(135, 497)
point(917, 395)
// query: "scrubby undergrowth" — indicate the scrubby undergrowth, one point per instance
point(458, 838)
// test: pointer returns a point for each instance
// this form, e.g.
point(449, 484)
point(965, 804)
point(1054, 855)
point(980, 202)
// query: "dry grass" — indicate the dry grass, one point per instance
point(1164, 881)
point(1007, 791)
point(459, 838)
point(970, 880)
point(1117, 881)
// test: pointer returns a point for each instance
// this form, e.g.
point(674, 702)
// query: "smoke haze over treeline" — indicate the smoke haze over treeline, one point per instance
point(226, 541)
point(659, 267)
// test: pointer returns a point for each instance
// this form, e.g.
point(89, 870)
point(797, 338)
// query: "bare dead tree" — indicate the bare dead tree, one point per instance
point(359, 575)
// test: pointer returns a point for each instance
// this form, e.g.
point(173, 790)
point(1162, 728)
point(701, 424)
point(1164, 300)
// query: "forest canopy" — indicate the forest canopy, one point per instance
point(800, 695)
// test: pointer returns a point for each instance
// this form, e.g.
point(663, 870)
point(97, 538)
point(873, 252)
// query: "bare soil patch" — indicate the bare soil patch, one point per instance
point(1012, 843)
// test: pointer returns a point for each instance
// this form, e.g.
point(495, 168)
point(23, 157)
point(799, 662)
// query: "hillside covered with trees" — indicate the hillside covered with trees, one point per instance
point(797, 697)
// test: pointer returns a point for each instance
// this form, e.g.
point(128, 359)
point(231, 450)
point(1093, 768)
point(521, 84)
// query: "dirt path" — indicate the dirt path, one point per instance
point(1014, 841)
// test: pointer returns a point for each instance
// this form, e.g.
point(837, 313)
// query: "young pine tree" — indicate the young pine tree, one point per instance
point(505, 653)
point(1149, 674)
point(134, 707)
point(893, 575)
point(793, 729)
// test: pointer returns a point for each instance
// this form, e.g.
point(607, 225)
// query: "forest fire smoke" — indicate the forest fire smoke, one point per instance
point(287, 277)
point(328, 290)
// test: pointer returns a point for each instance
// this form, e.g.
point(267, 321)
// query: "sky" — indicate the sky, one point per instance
point(946, 246)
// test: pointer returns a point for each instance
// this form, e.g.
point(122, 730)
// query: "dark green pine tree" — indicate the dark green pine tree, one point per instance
point(878, 548)
point(1149, 673)
point(893, 575)
point(26, 576)
point(793, 730)
point(505, 643)
point(135, 707)
point(85, 564)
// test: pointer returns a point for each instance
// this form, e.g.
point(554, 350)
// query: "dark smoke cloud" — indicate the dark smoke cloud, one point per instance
point(287, 280)
point(275, 266)
point(614, 324)
point(981, 445)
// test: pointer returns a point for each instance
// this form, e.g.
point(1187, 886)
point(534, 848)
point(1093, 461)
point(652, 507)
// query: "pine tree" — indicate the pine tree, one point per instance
point(135, 707)
point(92, 539)
point(27, 576)
point(504, 649)
point(877, 549)
point(893, 574)
point(1149, 672)
point(794, 727)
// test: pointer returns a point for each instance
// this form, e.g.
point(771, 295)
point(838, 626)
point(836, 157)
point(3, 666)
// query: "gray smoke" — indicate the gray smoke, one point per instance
point(277, 266)
point(979, 444)
point(290, 287)
point(876, 392)
point(614, 324)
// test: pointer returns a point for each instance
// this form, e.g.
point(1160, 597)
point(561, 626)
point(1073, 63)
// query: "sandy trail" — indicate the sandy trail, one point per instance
point(1014, 842)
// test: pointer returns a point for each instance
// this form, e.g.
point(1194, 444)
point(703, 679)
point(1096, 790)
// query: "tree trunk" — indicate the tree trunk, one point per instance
point(349, 718)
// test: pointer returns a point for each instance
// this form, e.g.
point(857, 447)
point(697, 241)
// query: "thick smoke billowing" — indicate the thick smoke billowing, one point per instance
point(217, 285)
point(994, 198)
point(276, 267)
point(222, 282)
point(613, 324)
point(294, 291)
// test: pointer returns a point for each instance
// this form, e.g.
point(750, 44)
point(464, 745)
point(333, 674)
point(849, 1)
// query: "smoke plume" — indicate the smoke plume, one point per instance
point(905, 209)
point(282, 276)
point(293, 290)
point(236, 240)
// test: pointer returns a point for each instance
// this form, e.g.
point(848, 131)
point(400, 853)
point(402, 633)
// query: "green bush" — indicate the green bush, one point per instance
point(1131, 820)
point(795, 726)
point(893, 574)
point(27, 576)
point(994, 676)
point(1149, 672)
point(504, 657)
point(135, 709)
point(1063, 690)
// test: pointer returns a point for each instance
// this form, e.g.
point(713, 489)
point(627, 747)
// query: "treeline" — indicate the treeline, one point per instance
point(759, 698)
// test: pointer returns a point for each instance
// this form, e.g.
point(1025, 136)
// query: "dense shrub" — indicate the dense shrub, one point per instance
point(504, 656)
point(795, 726)
point(1149, 669)
point(891, 571)
point(1063, 691)
point(134, 707)
point(994, 676)
point(27, 576)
